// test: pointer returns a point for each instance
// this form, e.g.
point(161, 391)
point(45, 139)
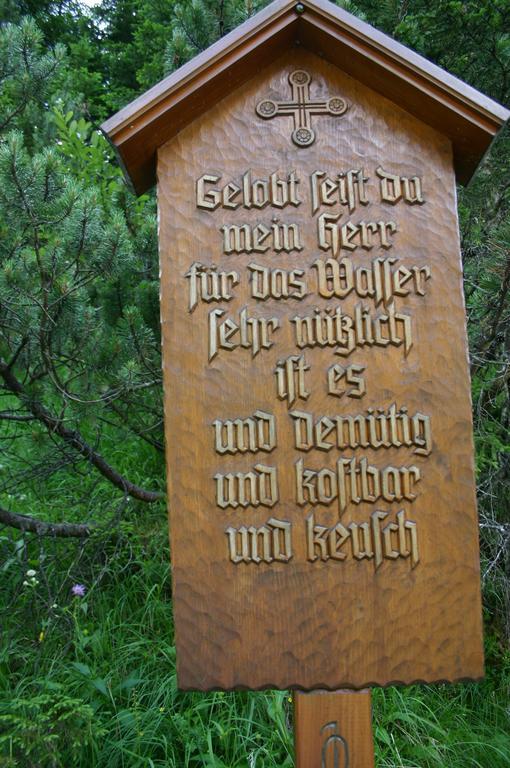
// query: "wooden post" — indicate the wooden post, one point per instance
point(333, 730)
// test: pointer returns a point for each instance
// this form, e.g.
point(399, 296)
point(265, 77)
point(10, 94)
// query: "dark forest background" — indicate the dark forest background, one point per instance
point(87, 662)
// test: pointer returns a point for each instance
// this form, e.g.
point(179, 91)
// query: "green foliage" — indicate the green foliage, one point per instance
point(199, 23)
point(112, 652)
point(66, 244)
point(126, 49)
point(470, 38)
point(88, 156)
point(78, 270)
point(435, 726)
point(38, 728)
point(60, 22)
point(25, 72)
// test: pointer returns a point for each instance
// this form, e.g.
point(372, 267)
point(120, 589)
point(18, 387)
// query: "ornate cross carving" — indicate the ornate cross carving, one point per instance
point(301, 108)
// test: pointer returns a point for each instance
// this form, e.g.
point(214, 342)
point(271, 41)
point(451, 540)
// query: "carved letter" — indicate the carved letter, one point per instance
point(210, 199)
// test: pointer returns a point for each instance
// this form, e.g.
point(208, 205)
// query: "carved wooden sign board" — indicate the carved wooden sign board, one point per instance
point(317, 403)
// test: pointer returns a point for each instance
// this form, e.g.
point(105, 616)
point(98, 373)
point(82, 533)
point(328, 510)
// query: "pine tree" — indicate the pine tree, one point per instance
point(199, 23)
point(79, 344)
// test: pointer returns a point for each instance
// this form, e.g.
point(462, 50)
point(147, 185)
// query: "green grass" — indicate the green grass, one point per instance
point(113, 652)
point(90, 682)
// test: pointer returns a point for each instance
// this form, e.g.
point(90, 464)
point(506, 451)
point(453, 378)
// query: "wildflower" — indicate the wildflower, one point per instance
point(41, 636)
point(31, 573)
point(78, 590)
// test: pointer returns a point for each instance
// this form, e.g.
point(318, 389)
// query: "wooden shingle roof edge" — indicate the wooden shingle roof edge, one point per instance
point(455, 109)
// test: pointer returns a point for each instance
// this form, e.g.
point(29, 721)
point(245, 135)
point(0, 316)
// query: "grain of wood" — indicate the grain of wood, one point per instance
point(327, 624)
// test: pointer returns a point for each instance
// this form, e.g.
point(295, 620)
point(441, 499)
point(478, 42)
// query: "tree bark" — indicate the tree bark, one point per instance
point(41, 528)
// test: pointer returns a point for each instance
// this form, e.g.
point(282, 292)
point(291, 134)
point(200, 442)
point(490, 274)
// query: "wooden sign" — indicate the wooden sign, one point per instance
point(322, 499)
point(317, 402)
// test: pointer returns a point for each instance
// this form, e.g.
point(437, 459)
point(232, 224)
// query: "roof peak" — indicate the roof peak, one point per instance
point(431, 94)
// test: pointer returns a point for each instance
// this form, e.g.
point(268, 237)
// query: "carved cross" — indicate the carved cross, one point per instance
point(301, 108)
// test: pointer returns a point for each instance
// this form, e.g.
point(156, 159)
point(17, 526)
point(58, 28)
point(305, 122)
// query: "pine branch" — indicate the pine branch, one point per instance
point(136, 430)
point(74, 439)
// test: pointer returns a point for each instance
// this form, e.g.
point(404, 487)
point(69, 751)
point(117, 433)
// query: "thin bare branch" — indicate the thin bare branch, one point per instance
point(29, 524)
point(74, 439)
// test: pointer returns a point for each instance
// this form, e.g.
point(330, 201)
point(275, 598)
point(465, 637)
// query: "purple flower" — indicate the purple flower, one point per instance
point(78, 590)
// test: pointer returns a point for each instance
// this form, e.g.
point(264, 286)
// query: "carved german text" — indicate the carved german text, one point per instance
point(381, 282)
point(207, 283)
point(354, 481)
point(345, 332)
point(255, 433)
point(333, 236)
point(267, 283)
point(267, 543)
point(395, 188)
point(290, 379)
point(377, 428)
point(259, 487)
point(344, 189)
point(370, 541)
point(245, 238)
point(348, 375)
point(252, 333)
point(249, 192)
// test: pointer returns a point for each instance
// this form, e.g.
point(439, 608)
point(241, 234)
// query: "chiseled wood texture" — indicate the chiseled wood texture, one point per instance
point(441, 100)
point(320, 718)
point(322, 624)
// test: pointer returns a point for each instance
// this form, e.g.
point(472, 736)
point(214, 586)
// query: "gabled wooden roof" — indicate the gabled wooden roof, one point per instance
point(462, 113)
